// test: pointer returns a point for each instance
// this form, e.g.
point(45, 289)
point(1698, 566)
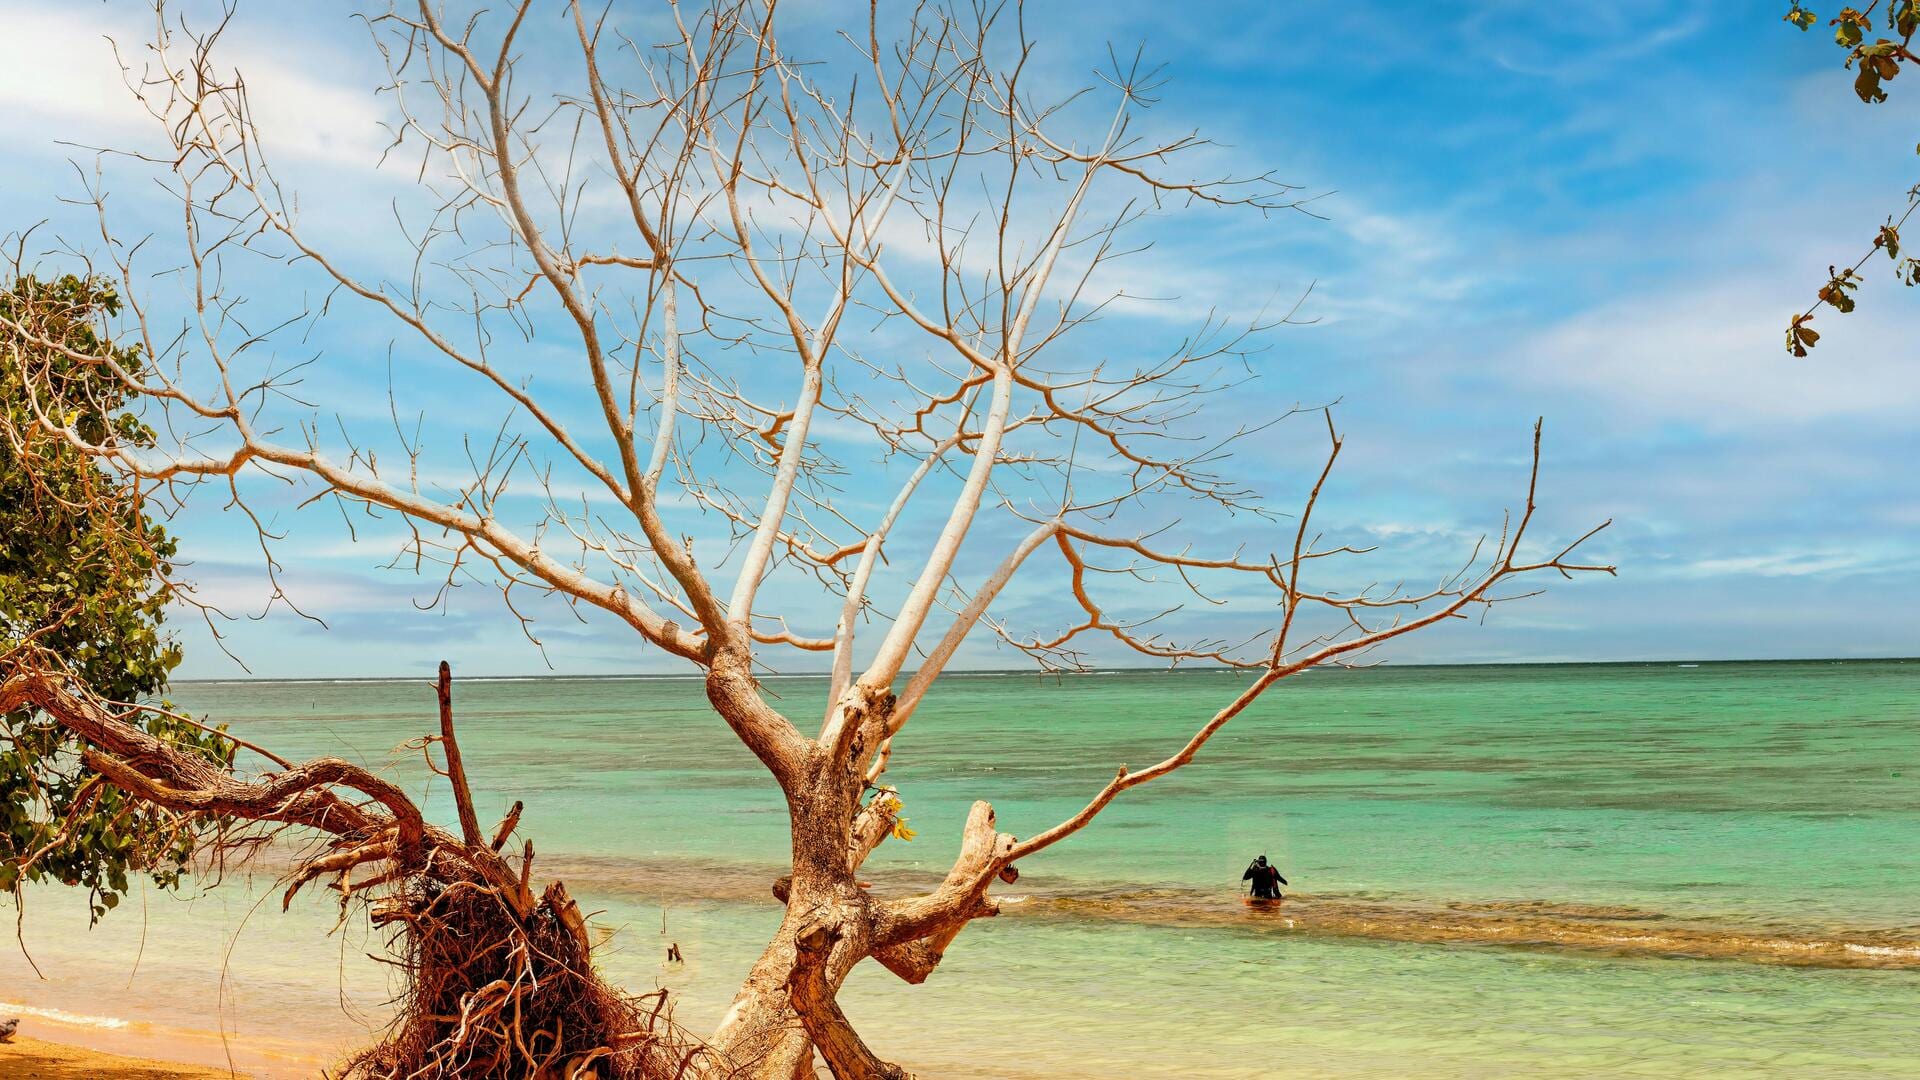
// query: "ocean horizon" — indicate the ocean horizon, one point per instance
point(1028, 672)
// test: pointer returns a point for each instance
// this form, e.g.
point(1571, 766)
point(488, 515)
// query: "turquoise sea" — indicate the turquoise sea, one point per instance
point(1653, 869)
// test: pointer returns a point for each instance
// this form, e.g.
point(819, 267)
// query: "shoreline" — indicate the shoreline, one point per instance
point(64, 1038)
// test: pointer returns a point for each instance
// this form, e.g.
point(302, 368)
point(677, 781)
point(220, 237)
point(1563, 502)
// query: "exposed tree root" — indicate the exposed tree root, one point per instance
point(498, 982)
point(493, 992)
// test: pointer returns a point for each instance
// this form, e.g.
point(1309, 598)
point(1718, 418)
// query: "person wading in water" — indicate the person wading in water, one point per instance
point(1266, 879)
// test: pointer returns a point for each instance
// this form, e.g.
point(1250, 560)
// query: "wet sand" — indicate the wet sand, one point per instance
point(1523, 924)
point(1554, 925)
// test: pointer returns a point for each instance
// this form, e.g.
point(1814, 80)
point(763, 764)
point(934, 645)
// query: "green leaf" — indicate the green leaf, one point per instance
point(1867, 85)
point(1838, 292)
point(1850, 24)
point(1800, 336)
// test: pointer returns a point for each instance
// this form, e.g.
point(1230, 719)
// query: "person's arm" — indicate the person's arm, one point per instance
point(1282, 877)
point(1248, 876)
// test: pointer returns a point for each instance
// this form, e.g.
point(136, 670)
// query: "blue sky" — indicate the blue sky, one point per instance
point(1601, 218)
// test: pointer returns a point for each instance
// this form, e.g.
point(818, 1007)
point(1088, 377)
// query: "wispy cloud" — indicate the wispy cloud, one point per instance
point(1598, 218)
point(1711, 355)
point(59, 71)
point(1778, 564)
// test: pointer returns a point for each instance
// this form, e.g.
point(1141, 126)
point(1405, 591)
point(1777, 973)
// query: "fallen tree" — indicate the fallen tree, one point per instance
point(753, 191)
point(498, 978)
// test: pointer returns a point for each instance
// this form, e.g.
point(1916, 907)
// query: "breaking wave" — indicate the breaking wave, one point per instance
point(111, 1023)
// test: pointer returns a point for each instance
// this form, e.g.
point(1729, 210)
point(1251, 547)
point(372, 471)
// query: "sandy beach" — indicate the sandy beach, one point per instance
point(33, 1059)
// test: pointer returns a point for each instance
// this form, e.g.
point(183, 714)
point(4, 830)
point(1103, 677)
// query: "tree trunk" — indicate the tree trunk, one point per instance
point(764, 1034)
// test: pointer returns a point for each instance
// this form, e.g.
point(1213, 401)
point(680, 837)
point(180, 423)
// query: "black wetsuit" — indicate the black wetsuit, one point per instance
point(1266, 881)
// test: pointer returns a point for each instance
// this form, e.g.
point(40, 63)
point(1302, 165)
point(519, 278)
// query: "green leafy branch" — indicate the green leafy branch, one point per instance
point(83, 577)
point(1877, 63)
point(1838, 292)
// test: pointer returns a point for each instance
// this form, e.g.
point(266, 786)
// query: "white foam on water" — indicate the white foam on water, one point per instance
point(60, 1017)
point(1882, 950)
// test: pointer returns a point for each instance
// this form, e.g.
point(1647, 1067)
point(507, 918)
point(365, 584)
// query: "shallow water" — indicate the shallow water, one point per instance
point(1526, 871)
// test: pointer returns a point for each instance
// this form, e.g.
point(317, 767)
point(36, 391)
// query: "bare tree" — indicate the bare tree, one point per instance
point(757, 257)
